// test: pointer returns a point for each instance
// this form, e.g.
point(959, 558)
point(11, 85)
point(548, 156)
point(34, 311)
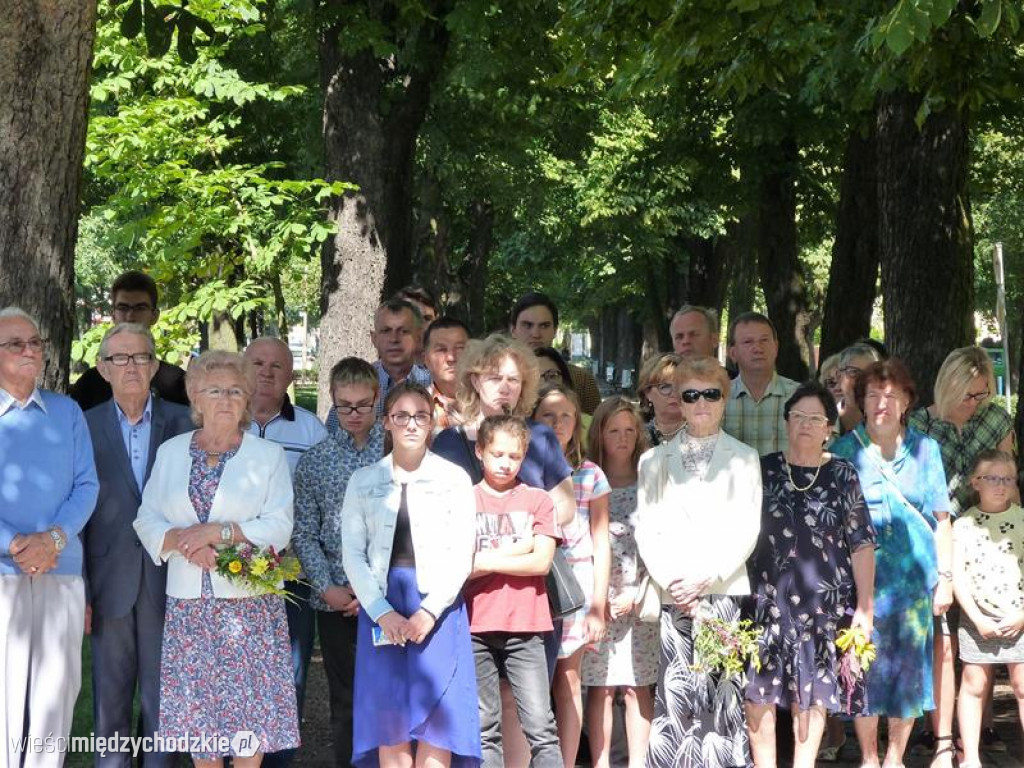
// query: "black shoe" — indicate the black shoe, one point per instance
point(991, 741)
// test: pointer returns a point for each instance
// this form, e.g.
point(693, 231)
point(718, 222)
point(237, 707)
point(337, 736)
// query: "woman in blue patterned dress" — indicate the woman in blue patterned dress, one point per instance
point(904, 485)
point(225, 665)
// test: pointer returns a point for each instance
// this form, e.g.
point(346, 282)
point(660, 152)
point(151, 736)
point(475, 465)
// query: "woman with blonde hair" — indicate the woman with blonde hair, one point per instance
point(965, 420)
point(698, 519)
point(659, 401)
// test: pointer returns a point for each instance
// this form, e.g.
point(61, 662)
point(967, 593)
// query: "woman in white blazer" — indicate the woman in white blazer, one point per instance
point(698, 518)
point(225, 662)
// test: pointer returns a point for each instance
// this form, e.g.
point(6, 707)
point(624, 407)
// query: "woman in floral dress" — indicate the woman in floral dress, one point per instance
point(814, 565)
point(226, 662)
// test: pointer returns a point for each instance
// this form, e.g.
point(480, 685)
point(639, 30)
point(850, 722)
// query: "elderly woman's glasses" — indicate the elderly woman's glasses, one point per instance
point(401, 418)
point(122, 359)
point(233, 393)
point(691, 396)
point(665, 389)
point(346, 410)
point(976, 396)
point(552, 374)
point(850, 370)
point(814, 419)
point(995, 480)
point(18, 346)
point(831, 382)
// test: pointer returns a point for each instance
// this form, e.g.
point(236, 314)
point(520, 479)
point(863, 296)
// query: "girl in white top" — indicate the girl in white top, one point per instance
point(988, 580)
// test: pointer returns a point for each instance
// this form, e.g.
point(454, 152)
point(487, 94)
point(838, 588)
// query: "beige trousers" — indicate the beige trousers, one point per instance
point(42, 619)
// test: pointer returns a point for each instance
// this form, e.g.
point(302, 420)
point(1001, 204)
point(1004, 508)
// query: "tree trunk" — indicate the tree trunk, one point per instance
point(473, 273)
point(778, 258)
point(743, 281)
point(708, 275)
point(853, 275)
point(45, 58)
point(925, 235)
point(659, 310)
point(373, 111)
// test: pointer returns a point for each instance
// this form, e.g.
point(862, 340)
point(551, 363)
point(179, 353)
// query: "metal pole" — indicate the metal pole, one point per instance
point(997, 268)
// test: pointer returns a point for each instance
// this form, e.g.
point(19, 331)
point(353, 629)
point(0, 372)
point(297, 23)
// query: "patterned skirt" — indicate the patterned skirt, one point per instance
point(698, 716)
point(226, 668)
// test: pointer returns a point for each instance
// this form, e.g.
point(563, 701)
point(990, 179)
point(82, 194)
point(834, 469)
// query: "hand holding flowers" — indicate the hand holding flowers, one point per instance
point(260, 570)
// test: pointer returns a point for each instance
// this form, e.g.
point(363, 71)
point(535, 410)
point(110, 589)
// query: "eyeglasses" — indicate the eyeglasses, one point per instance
point(345, 410)
point(217, 392)
point(693, 395)
point(124, 309)
point(976, 396)
point(123, 358)
point(401, 418)
point(552, 374)
point(831, 383)
point(18, 346)
point(814, 419)
point(850, 370)
point(665, 389)
point(997, 480)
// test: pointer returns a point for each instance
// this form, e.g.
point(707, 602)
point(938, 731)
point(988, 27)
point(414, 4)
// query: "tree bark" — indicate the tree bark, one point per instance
point(778, 258)
point(743, 269)
point(473, 273)
point(925, 235)
point(45, 60)
point(708, 274)
point(373, 110)
point(853, 274)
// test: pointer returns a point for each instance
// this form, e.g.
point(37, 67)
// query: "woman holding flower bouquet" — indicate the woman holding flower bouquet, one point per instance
point(698, 515)
point(813, 566)
point(904, 484)
point(226, 662)
point(408, 537)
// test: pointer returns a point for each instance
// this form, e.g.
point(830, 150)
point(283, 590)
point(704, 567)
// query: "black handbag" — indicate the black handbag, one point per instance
point(565, 595)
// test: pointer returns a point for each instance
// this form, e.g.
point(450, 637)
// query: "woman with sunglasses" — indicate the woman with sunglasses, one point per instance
point(698, 517)
point(814, 566)
point(965, 420)
point(408, 527)
point(904, 485)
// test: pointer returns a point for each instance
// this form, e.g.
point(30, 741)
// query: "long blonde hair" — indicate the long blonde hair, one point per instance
point(485, 355)
point(574, 450)
point(958, 370)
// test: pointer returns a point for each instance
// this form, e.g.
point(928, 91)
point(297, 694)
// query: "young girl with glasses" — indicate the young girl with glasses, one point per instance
point(988, 571)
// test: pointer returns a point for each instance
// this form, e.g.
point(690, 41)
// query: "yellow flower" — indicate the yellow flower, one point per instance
point(258, 566)
point(235, 566)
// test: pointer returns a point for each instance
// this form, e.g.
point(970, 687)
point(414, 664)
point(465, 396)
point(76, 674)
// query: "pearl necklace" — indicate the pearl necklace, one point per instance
point(789, 474)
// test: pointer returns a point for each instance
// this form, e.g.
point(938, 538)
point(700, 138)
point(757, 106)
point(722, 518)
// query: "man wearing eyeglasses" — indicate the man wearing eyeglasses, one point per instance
point(754, 410)
point(134, 299)
point(47, 494)
point(295, 429)
point(126, 591)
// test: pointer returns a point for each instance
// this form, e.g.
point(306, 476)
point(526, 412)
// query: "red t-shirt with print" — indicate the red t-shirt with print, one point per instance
point(498, 602)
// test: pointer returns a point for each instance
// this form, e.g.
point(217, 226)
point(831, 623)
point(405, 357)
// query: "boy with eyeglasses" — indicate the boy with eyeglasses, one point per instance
point(321, 480)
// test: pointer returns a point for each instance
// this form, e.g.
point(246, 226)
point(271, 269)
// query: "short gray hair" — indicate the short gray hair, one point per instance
point(218, 360)
point(710, 316)
point(134, 328)
point(13, 311)
point(858, 349)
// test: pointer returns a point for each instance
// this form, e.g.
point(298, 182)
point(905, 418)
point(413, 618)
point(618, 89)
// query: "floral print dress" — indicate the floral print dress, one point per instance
point(225, 665)
point(802, 575)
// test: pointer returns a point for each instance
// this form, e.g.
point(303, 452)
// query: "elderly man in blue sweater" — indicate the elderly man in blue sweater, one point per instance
point(48, 489)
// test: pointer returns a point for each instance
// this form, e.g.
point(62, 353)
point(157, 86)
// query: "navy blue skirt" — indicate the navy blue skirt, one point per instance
point(415, 693)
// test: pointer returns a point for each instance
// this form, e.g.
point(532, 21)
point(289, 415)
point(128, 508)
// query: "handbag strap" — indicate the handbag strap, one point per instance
point(889, 476)
point(476, 472)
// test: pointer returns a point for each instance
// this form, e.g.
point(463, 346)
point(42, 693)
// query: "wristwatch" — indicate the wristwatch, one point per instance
point(59, 542)
point(227, 533)
point(946, 575)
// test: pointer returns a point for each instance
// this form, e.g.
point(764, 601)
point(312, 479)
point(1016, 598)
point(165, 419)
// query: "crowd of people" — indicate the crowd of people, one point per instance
point(452, 478)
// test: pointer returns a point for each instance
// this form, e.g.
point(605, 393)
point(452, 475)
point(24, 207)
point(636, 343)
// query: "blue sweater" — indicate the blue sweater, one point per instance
point(47, 477)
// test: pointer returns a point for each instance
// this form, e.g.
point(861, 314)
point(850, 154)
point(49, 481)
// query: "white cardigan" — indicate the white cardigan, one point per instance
point(255, 492)
point(687, 528)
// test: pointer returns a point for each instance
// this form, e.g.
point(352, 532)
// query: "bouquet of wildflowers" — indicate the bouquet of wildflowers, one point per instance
point(720, 645)
point(258, 569)
point(857, 654)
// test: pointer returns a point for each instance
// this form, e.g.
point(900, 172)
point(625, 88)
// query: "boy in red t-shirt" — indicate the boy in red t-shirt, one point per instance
point(508, 605)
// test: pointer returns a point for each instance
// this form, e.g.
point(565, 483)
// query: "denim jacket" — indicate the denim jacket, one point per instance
point(442, 517)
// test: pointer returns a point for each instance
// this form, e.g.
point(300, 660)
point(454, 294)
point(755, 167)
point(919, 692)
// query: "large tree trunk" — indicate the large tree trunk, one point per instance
point(708, 274)
point(373, 111)
point(853, 275)
point(925, 235)
point(473, 273)
point(743, 269)
point(778, 258)
point(45, 58)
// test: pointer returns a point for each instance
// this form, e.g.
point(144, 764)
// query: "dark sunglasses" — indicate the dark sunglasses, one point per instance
point(693, 395)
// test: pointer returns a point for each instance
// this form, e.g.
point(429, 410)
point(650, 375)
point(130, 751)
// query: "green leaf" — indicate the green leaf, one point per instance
point(158, 30)
point(991, 14)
